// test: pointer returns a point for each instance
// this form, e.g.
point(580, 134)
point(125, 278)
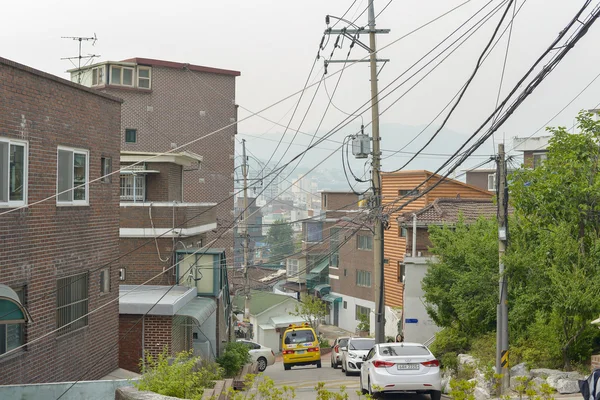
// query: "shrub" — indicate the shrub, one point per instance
point(483, 349)
point(448, 343)
point(324, 343)
point(363, 324)
point(234, 357)
point(185, 377)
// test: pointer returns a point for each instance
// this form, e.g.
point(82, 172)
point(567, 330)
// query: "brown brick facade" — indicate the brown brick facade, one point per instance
point(351, 259)
point(184, 106)
point(44, 242)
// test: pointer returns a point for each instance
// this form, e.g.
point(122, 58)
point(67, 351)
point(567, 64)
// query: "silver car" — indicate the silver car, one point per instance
point(352, 359)
point(339, 346)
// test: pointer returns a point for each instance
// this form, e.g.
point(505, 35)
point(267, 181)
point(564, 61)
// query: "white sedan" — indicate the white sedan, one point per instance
point(401, 367)
point(261, 355)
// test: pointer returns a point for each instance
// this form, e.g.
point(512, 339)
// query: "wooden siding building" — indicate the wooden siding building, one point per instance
point(396, 185)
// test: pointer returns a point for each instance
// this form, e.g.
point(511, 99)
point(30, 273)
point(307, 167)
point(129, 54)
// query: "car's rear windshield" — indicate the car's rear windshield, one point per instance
point(398, 350)
point(299, 336)
point(343, 342)
point(361, 344)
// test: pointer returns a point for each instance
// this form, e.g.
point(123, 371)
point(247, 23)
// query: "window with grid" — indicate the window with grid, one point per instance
point(363, 278)
point(13, 335)
point(13, 172)
point(133, 187)
point(292, 267)
point(365, 242)
point(71, 303)
point(334, 247)
point(122, 76)
point(144, 76)
point(98, 76)
point(73, 176)
point(360, 310)
point(539, 158)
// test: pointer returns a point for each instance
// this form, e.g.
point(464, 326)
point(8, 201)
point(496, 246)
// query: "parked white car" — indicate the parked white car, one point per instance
point(401, 367)
point(260, 354)
point(352, 357)
point(337, 350)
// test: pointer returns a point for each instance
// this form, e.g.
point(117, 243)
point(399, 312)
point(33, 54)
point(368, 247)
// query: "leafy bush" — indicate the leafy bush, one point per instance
point(234, 357)
point(462, 390)
point(364, 324)
point(483, 349)
point(447, 345)
point(185, 377)
point(324, 343)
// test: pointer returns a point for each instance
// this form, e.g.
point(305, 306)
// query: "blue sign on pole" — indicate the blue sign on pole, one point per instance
point(411, 320)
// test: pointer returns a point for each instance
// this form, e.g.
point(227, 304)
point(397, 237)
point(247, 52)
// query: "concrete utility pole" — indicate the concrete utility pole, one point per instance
point(352, 34)
point(502, 311)
point(376, 177)
point(246, 236)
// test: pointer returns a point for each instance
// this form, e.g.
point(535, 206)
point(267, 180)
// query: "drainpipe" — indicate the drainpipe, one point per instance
point(414, 238)
point(143, 342)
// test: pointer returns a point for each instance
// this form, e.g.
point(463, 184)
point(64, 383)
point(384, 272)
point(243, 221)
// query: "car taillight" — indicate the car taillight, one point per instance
point(337, 348)
point(380, 364)
point(288, 352)
point(313, 349)
point(432, 363)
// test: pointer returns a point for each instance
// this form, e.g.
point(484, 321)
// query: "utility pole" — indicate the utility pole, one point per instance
point(502, 310)
point(246, 237)
point(352, 34)
point(376, 178)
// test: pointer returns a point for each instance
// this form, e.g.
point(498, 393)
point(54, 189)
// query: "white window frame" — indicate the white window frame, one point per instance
point(493, 179)
point(149, 69)
point(140, 187)
point(99, 77)
point(25, 144)
point(123, 68)
point(292, 267)
point(74, 202)
point(359, 246)
point(543, 156)
point(363, 278)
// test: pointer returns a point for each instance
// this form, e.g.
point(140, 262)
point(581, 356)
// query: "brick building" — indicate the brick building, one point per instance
point(59, 227)
point(167, 104)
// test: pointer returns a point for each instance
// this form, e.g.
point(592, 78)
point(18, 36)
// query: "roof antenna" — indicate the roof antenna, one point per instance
point(79, 57)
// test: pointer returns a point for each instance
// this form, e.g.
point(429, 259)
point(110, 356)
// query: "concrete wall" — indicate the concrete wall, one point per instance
point(347, 318)
point(425, 328)
point(89, 390)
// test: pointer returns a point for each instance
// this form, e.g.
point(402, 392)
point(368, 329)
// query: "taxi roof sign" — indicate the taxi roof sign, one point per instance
point(303, 325)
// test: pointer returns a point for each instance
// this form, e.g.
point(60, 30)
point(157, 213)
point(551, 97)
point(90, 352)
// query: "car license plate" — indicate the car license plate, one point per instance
point(408, 366)
point(300, 351)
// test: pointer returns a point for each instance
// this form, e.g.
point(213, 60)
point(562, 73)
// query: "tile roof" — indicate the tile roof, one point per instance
point(255, 274)
point(447, 211)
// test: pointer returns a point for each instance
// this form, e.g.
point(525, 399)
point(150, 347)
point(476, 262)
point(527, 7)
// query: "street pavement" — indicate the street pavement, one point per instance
point(304, 379)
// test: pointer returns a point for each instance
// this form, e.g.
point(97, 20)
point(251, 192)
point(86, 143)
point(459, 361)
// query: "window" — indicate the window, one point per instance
point(324, 201)
point(334, 247)
point(12, 335)
point(292, 267)
point(105, 280)
point(345, 305)
point(120, 75)
point(130, 135)
point(408, 192)
point(401, 272)
point(133, 187)
point(97, 76)
point(106, 169)
point(313, 231)
point(72, 303)
point(365, 242)
point(13, 172)
point(73, 176)
point(491, 182)
point(144, 76)
point(363, 278)
point(360, 310)
point(403, 232)
point(538, 158)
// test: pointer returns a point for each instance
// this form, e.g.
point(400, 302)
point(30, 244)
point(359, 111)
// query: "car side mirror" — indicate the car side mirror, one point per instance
point(364, 358)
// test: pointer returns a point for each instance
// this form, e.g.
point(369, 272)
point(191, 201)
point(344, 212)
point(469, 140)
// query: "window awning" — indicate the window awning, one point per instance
point(11, 309)
point(311, 276)
point(331, 298)
point(199, 309)
point(320, 266)
point(323, 288)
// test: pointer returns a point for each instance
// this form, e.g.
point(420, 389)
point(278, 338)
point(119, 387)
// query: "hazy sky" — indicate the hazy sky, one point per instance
point(274, 43)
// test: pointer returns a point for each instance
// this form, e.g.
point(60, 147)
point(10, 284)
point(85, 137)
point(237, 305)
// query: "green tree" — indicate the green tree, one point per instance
point(557, 210)
point(311, 310)
point(280, 240)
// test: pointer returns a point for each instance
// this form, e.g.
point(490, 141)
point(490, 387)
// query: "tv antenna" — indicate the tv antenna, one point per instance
point(89, 57)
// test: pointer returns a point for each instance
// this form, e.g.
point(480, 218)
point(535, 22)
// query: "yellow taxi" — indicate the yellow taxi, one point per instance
point(300, 346)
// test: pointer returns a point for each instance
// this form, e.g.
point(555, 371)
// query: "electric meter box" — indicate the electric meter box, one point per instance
point(361, 146)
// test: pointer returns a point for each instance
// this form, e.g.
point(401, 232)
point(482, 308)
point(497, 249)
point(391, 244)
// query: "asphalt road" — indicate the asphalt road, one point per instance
point(304, 380)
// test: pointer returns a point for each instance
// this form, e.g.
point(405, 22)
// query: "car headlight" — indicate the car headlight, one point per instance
point(352, 355)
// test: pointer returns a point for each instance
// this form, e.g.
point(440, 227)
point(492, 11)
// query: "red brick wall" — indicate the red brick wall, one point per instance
point(136, 216)
point(166, 185)
point(130, 344)
point(157, 334)
point(181, 334)
point(339, 201)
point(423, 242)
point(352, 259)
point(44, 242)
point(177, 99)
point(144, 263)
